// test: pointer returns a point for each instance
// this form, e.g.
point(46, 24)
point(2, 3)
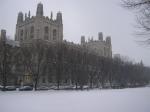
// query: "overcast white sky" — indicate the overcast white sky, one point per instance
point(83, 17)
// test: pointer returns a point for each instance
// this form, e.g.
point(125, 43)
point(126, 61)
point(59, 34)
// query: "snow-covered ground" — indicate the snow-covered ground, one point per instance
point(123, 100)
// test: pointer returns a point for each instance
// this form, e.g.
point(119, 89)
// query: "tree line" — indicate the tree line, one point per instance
point(62, 63)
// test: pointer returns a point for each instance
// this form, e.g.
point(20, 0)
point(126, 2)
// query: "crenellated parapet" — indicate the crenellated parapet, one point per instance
point(26, 18)
point(100, 39)
point(39, 27)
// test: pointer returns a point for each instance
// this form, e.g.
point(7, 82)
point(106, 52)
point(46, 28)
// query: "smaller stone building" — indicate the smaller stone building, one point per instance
point(100, 47)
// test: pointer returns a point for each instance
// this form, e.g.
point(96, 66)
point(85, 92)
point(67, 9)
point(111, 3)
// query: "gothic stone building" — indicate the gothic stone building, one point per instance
point(50, 30)
point(45, 28)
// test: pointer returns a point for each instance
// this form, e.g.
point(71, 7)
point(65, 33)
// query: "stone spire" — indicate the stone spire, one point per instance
point(39, 11)
point(29, 14)
point(51, 15)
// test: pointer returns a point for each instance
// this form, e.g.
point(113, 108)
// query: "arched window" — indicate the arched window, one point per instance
point(54, 34)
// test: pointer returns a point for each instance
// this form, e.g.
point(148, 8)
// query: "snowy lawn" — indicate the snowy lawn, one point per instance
point(123, 100)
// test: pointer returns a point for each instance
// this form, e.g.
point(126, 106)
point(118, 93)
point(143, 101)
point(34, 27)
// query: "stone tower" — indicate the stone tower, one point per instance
point(39, 11)
point(39, 26)
point(108, 40)
point(20, 18)
point(100, 36)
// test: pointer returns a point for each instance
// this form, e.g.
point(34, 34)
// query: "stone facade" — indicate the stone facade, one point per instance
point(39, 26)
point(100, 47)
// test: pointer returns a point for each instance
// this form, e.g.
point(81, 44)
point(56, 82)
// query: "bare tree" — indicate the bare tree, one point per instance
point(5, 59)
point(142, 7)
point(34, 60)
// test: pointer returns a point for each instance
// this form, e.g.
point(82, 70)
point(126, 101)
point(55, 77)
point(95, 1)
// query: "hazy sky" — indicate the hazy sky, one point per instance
point(83, 17)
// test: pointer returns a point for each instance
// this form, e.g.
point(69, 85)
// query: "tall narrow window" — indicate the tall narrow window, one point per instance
point(21, 33)
point(32, 32)
point(54, 34)
point(25, 37)
point(46, 31)
point(105, 51)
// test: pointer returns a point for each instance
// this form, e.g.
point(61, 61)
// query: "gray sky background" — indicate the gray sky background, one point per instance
point(83, 17)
